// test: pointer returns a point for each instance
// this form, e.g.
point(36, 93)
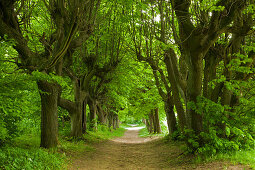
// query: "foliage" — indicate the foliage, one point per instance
point(213, 48)
point(19, 101)
point(15, 112)
point(224, 130)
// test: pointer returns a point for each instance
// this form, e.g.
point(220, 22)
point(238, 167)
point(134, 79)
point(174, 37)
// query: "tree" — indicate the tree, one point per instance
point(68, 18)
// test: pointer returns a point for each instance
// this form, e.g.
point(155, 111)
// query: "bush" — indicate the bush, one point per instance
point(8, 125)
point(224, 131)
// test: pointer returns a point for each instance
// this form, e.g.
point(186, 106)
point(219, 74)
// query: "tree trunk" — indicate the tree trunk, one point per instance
point(92, 115)
point(175, 90)
point(101, 115)
point(49, 117)
point(84, 116)
point(76, 129)
point(157, 127)
point(170, 117)
point(75, 110)
point(216, 92)
point(194, 90)
point(154, 121)
point(110, 119)
point(211, 62)
point(115, 121)
point(76, 118)
point(150, 123)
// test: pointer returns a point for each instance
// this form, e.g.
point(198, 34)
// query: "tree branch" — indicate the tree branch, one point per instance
point(67, 104)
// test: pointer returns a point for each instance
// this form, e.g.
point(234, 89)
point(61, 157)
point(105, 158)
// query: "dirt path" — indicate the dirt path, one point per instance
point(132, 152)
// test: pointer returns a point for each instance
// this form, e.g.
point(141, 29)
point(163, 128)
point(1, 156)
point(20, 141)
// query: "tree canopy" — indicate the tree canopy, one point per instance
point(92, 62)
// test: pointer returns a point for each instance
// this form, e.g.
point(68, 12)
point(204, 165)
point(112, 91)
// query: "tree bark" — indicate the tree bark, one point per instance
point(115, 121)
point(84, 116)
point(49, 117)
point(92, 115)
point(110, 119)
point(211, 62)
point(75, 110)
point(76, 123)
point(101, 115)
point(150, 123)
point(175, 89)
point(194, 90)
point(170, 116)
point(157, 127)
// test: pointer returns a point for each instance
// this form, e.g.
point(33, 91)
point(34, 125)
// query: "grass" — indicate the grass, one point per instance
point(24, 153)
point(125, 125)
point(245, 157)
point(145, 133)
point(103, 134)
point(27, 141)
point(33, 158)
point(77, 146)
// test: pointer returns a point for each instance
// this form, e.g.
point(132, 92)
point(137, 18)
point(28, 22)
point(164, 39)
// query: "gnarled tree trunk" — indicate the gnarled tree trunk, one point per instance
point(49, 117)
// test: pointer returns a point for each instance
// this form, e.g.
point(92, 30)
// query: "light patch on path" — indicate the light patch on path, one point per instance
point(134, 128)
point(132, 136)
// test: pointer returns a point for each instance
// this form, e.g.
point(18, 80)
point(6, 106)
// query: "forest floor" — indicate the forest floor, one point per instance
point(133, 152)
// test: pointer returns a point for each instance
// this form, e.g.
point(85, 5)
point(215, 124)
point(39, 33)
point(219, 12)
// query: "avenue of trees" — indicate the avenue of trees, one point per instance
point(99, 62)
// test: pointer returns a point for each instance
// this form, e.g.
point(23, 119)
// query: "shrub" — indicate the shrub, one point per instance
point(224, 131)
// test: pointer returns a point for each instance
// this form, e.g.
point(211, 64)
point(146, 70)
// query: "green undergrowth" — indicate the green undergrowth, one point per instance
point(145, 133)
point(245, 157)
point(71, 146)
point(102, 134)
point(125, 125)
point(24, 153)
point(30, 158)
